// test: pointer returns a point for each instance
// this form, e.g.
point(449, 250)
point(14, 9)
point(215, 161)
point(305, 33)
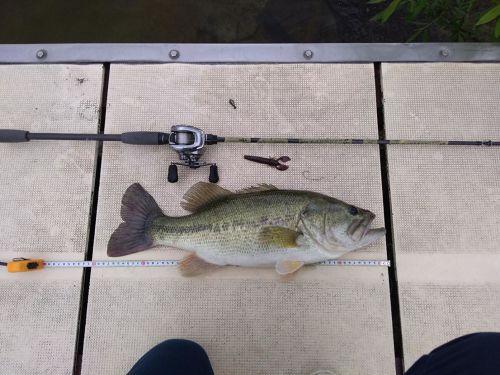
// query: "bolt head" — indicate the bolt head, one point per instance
point(174, 54)
point(308, 54)
point(41, 53)
point(444, 52)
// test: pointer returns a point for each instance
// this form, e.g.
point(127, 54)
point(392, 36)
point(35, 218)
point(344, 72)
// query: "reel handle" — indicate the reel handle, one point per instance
point(214, 174)
point(173, 175)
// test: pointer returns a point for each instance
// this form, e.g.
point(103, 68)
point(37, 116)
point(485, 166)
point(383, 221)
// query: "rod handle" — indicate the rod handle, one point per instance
point(13, 136)
point(145, 138)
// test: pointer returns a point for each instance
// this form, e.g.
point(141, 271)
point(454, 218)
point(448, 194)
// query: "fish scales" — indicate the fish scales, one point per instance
point(233, 224)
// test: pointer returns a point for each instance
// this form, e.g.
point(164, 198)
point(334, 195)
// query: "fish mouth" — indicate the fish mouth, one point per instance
point(359, 228)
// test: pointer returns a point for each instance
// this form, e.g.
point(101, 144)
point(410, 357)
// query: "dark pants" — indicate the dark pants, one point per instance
point(474, 354)
point(174, 357)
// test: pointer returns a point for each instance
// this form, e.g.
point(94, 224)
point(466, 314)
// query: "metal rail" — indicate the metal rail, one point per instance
point(249, 53)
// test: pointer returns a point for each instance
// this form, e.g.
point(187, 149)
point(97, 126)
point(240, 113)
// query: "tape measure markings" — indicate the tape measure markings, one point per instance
point(110, 263)
point(170, 263)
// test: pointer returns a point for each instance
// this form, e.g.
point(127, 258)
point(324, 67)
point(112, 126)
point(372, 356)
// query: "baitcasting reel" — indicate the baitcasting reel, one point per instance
point(189, 143)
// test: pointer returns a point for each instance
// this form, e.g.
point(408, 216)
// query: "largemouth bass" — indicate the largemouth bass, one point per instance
point(256, 227)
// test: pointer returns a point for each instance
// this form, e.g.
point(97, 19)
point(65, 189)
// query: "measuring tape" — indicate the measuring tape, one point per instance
point(26, 265)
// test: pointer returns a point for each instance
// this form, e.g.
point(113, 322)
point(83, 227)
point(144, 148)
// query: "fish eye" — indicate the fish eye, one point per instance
point(353, 211)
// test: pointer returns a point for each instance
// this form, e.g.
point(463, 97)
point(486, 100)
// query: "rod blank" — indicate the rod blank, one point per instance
point(353, 141)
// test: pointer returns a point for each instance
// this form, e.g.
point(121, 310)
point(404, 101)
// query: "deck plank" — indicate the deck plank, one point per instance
point(445, 200)
point(46, 192)
point(249, 321)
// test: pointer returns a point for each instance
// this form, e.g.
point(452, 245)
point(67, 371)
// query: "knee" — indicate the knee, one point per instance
point(476, 340)
point(487, 340)
point(175, 356)
point(176, 346)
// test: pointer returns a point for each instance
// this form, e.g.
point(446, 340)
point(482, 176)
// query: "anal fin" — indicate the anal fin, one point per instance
point(286, 267)
point(192, 265)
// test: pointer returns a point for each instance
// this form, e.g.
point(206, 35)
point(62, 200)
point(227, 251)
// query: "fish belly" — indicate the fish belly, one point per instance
point(255, 257)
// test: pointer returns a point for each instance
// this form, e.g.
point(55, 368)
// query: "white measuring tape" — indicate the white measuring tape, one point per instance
point(170, 263)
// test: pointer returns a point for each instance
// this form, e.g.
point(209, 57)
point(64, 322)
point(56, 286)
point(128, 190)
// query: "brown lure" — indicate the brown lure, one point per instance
point(273, 162)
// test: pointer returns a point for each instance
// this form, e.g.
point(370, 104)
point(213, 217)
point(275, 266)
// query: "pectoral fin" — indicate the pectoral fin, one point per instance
point(192, 265)
point(286, 267)
point(279, 236)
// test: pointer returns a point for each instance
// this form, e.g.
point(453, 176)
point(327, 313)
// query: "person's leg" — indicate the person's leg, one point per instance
point(174, 357)
point(474, 354)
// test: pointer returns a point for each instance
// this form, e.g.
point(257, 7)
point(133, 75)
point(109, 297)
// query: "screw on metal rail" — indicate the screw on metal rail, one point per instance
point(174, 54)
point(444, 52)
point(308, 54)
point(41, 54)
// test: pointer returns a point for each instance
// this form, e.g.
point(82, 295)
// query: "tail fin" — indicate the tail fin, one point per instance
point(138, 210)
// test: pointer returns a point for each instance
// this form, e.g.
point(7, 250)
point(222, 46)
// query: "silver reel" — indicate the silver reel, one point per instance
point(189, 142)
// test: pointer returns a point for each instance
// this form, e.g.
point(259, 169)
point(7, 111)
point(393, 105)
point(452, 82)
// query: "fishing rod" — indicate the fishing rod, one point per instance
point(189, 142)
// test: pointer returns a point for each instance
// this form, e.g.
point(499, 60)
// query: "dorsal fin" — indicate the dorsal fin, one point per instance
point(202, 193)
point(256, 188)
